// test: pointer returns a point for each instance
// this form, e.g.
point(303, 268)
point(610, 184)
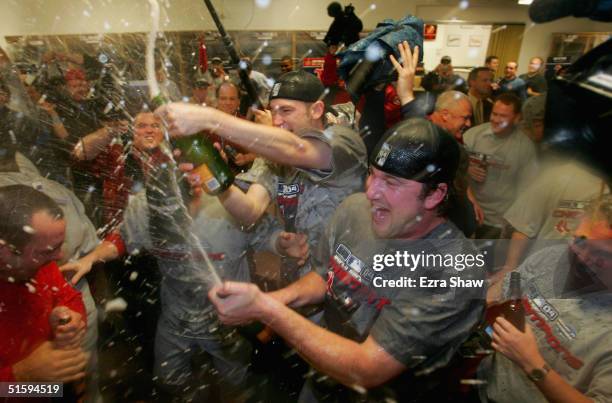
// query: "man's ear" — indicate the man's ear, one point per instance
point(317, 110)
point(445, 114)
point(433, 199)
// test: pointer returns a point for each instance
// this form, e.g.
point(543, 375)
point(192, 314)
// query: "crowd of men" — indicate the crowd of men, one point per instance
point(76, 195)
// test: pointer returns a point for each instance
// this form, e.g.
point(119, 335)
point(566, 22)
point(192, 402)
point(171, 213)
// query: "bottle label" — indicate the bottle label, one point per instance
point(213, 184)
point(207, 179)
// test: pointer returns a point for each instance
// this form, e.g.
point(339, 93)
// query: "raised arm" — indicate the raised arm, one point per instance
point(273, 143)
point(90, 146)
point(246, 207)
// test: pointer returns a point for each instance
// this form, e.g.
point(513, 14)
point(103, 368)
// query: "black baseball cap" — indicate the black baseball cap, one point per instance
point(418, 150)
point(298, 85)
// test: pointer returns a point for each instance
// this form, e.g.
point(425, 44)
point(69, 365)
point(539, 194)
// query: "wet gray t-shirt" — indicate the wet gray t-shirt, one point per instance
point(420, 326)
point(511, 163)
point(308, 198)
point(186, 276)
point(573, 333)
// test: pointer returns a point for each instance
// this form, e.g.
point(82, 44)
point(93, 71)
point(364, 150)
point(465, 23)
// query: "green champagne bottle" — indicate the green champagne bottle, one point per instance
point(215, 174)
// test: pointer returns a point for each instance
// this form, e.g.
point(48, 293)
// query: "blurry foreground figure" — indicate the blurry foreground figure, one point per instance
point(563, 355)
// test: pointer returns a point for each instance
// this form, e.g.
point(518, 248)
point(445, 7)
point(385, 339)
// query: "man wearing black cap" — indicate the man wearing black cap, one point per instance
point(311, 168)
point(376, 326)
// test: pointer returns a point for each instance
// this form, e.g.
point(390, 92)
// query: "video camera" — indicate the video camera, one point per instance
point(579, 102)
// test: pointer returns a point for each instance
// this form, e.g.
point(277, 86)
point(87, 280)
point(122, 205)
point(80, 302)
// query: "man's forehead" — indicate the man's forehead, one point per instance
point(384, 175)
point(502, 107)
point(228, 90)
point(277, 103)
point(44, 225)
point(461, 105)
point(146, 116)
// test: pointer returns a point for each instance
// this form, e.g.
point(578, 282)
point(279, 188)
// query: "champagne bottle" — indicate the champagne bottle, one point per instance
point(514, 310)
point(215, 174)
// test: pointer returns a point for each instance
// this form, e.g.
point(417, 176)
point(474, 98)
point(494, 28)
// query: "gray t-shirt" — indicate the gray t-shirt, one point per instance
point(185, 275)
point(573, 332)
point(552, 206)
point(511, 163)
point(308, 198)
point(421, 327)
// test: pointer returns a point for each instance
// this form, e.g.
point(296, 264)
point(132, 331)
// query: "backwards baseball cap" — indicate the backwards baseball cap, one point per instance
point(298, 85)
point(418, 150)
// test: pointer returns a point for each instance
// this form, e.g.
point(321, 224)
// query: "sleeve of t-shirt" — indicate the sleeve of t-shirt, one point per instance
point(261, 173)
point(423, 330)
point(529, 221)
point(64, 293)
point(348, 151)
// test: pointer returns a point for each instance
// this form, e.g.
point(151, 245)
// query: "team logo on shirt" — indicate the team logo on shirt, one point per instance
point(568, 212)
point(288, 189)
point(352, 264)
point(288, 196)
point(347, 272)
point(551, 339)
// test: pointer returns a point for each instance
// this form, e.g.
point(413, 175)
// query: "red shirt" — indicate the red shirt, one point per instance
point(24, 314)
